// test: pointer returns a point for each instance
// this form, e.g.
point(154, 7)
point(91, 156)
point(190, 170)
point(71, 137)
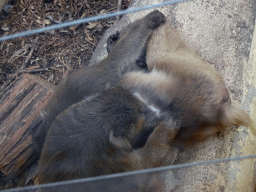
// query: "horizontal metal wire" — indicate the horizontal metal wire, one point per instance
point(112, 176)
point(133, 173)
point(88, 19)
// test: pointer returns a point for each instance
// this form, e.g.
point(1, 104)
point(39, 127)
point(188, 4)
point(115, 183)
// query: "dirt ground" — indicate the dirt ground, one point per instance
point(57, 51)
point(51, 54)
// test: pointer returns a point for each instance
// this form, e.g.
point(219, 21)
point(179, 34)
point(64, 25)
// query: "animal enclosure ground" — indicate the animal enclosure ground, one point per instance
point(55, 51)
point(52, 54)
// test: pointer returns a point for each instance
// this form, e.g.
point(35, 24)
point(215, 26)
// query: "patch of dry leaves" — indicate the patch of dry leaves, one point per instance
point(55, 52)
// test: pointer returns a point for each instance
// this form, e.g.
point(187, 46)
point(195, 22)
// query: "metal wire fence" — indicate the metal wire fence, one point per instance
point(132, 173)
point(89, 19)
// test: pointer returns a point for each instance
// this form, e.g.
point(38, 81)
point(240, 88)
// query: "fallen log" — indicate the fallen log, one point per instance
point(20, 106)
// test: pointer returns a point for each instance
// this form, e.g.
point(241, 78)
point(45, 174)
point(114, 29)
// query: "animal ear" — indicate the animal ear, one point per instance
point(119, 142)
point(235, 116)
point(112, 40)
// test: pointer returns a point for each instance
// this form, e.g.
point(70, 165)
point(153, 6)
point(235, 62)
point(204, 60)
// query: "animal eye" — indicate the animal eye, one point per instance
point(141, 64)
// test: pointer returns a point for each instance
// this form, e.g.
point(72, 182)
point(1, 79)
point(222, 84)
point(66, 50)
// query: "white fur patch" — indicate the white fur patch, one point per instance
point(152, 107)
point(89, 98)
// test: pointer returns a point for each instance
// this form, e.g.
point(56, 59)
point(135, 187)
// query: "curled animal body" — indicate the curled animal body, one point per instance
point(107, 73)
point(181, 84)
point(107, 133)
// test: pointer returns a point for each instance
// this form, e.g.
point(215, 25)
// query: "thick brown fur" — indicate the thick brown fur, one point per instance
point(185, 86)
point(93, 79)
point(97, 137)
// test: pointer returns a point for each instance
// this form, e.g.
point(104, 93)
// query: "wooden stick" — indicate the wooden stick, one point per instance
point(119, 5)
point(32, 70)
point(29, 55)
point(88, 6)
point(2, 4)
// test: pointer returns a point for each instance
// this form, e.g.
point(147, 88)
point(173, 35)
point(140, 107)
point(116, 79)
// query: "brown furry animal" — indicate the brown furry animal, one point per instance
point(99, 136)
point(190, 90)
point(107, 73)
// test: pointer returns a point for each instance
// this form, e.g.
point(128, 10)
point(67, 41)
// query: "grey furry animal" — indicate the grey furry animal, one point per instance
point(100, 136)
point(107, 73)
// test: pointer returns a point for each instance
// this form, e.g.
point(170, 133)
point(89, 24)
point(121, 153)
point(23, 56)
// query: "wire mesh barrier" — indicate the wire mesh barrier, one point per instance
point(90, 19)
point(145, 180)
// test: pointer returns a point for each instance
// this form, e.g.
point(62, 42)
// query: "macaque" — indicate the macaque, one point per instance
point(99, 136)
point(181, 84)
point(90, 80)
